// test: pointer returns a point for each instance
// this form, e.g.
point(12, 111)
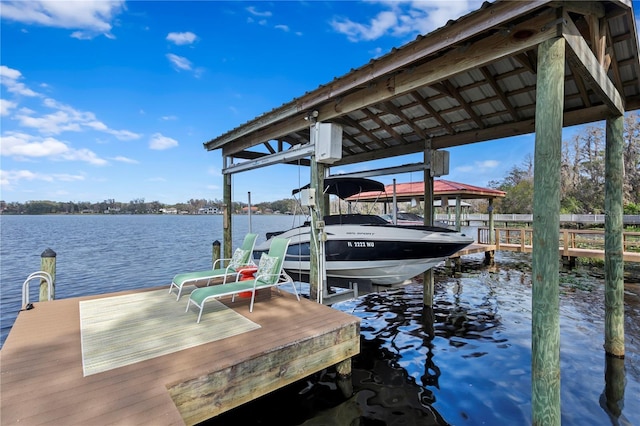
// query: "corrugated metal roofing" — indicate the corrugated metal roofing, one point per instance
point(441, 187)
point(488, 61)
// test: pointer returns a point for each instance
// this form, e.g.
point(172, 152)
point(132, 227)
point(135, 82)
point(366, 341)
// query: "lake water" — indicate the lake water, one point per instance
point(466, 363)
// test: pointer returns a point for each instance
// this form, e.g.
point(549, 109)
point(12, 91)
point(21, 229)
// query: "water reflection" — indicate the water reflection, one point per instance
point(468, 360)
point(612, 399)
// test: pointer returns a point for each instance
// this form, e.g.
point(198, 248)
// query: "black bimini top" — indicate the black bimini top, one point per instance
point(346, 187)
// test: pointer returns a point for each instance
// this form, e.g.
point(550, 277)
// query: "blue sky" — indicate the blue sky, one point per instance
point(113, 100)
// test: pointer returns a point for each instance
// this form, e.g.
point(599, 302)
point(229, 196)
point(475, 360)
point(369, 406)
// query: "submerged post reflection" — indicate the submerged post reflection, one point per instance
point(612, 398)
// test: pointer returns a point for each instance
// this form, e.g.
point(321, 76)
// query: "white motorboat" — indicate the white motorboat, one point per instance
point(360, 246)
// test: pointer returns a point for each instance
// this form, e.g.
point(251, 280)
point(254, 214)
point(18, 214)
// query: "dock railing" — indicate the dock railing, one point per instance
point(571, 242)
point(584, 219)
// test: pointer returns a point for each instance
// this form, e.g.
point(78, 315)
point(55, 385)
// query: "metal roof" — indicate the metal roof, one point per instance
point(472, 80)
point(441, 189)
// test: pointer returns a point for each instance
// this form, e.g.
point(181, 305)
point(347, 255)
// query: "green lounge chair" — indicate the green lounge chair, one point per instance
point(243, 256)
point(269, 274)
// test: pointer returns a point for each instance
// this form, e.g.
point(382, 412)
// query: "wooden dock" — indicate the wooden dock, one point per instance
point(572, 243)
point(42, 379)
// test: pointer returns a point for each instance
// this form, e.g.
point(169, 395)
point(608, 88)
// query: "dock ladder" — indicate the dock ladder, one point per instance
point(42, 275)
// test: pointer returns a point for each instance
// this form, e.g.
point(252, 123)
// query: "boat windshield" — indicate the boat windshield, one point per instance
point(354, 219)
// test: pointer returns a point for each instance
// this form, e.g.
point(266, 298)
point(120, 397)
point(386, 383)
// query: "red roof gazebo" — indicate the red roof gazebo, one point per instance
point(442, 189)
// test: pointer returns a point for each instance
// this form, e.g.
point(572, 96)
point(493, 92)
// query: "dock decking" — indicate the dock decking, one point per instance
point(42, 378)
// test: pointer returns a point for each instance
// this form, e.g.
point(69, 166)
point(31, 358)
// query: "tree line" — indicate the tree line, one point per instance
point(138, 206)
point(582, 174)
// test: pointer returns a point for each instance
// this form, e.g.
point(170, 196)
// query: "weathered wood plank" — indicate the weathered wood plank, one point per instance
point(209, 395)
point(41, 363)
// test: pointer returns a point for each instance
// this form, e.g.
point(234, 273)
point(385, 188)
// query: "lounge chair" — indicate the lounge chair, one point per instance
point(243, 256)
point(269, 274)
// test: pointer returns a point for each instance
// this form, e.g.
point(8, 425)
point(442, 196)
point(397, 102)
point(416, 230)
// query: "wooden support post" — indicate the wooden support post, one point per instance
point(227, 215)
point(545, 351)
point(48, 264)
point(427, 279)
point(215, 252)
point(612, 399)
point(458, 214)
point(613, 243)
point(316, 184)
point(344, 380)
point(491, 222)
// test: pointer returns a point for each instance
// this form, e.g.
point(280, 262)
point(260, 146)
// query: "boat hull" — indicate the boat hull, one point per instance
point(384, 254)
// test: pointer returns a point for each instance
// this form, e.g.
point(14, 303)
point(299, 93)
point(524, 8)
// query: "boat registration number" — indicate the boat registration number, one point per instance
point(361, 244)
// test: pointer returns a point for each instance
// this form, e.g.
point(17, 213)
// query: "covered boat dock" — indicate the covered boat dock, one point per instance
point(510, 68)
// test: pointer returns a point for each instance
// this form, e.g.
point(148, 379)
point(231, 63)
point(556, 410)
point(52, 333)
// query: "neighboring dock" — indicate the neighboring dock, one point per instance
point(572, 243)
point(43, 381)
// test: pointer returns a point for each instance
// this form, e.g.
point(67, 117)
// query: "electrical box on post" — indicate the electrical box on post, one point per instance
point(308, 197)
point(327, 138)
point(439, 163)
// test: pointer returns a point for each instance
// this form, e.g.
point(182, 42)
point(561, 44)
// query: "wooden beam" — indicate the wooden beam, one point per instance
point(393, 109)
point(498, 91)
point(373, 117)
point(435, 114)
point(497, 15)
point(353, 123)
point(591, 71)
point(613, 240)
point(455, 93)
point(211, 394)
point(611, 52)
point(269, 148)
point(582, 89)
point(481, 53)
point(293, 124)
point(545, 345)
point(352, 139)
point(527, 60)
point(571, 118)
point(594, 8)
point(227, 212)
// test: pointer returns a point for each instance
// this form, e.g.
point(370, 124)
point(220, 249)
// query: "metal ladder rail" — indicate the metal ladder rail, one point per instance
point(42, 275)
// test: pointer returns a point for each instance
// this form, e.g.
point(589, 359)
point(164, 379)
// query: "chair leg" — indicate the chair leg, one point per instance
point(253, 297)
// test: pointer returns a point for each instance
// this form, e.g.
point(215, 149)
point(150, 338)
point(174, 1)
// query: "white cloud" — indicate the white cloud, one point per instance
point(182, 38)
point(88, 18)
point(9, 78)
point(159, 142)
point(9, 178)
point(376, 28)
point(125, 160)
point(179, 62)
point(6, 107)
point(21, 146)
point(67, 119)
point(168, 118)
point(282, 27)
point(402, 18)
point(479, 166)
point(255, 12)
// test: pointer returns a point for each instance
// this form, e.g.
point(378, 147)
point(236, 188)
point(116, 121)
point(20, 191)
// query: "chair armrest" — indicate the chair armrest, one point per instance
point(219, 260)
